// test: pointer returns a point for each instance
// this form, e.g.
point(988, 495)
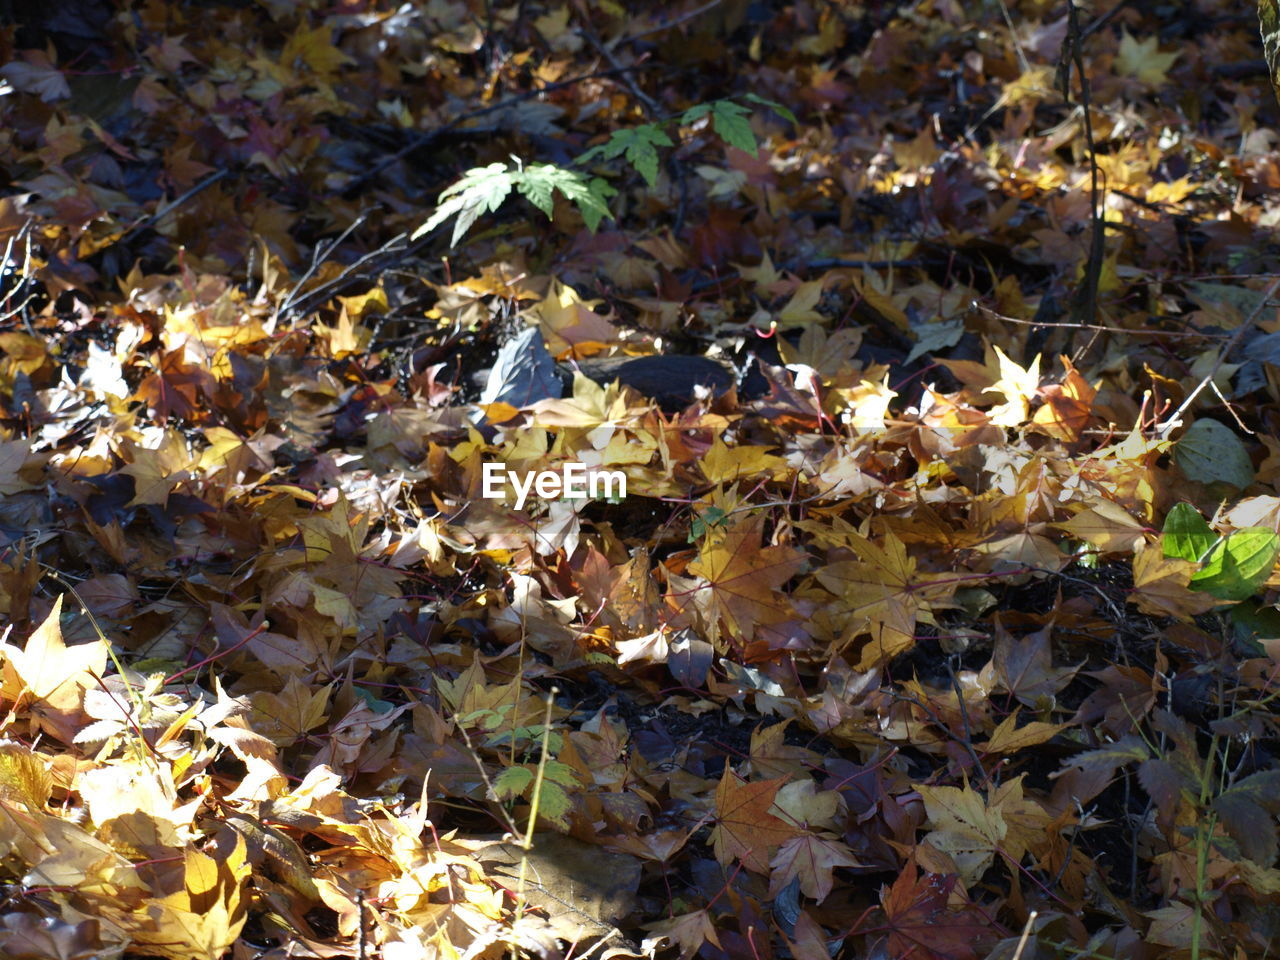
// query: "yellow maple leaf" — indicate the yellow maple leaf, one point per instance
point(1143, 59)
point(723, 464)
point(1017, 386)
point(884, 590)
point(53, 674)
point(744, 581)
point(800, 308)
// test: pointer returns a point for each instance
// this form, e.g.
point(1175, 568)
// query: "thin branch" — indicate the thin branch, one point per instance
point(652, 110)
point(667, 25)
point(1143, 332)
point(422, 140)
point(1175, 420)
point(1085, 307)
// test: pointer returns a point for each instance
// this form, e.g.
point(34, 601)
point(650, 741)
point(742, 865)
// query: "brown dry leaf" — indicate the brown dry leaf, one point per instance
point(1008, 737)
point(885, 591)
point(1161, 586)
point(688, 931)
point(1107, 526)
point(745, 829)
point(743, 580)
point(811, 857)
point(964, 827)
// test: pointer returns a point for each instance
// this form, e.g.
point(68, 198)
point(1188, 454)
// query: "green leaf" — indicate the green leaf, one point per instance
point(773, 105)
point(539, 181)
point(1210, 452)
point(481, 190)
point(562, 773)
point(709, 518)
point(1249, 621)
point(512, 782)
point(638, 144)
point(1269, 24)
point(1238, 565)
point(555, 804)
point(732, 121)
point(1186, 534)
point(728, 119)
point(695, 113)
point(1247, 810)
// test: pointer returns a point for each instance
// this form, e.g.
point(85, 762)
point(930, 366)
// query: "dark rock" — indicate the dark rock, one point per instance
point(669, 378)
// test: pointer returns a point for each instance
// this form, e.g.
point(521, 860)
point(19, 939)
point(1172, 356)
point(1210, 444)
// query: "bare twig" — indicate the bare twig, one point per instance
point(173, 205)
point(1085, 307)
point(652, 110)
point(23, 236)
point(666, 25)
point(968, 730)
point(321, 254)
point(1103, 20)
point(1143, 332)
point(1175, 419)
point(431, 136)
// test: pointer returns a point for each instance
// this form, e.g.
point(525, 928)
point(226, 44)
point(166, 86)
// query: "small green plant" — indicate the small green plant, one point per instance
point(484, 189)
point(1232, 567)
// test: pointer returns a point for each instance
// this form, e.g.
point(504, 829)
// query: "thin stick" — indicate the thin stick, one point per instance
point(431, 136)
point(667, 25)
point(1026, 932)
point(1175, 420)
point(991, 314)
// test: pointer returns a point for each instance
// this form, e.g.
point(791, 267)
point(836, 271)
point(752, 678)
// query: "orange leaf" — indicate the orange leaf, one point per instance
point(744, 581)
point(744, 826)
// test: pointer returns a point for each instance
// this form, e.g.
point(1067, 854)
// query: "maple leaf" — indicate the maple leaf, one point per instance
point(1143, 59)
point(688, 931)
point(884, 590)
point(964, 827)
point(745, 828)
point(1008, 737)
point(157, 471)
point(1162, 586)
point(921, 923)
point(812, 857)
point(743, 580)
point(54, 675)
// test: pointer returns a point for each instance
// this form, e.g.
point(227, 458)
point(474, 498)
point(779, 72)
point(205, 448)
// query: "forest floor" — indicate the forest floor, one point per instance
point(933, 341)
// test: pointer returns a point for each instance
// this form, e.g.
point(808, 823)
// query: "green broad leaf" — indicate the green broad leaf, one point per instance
point(1247, 811)
point(695, 113)
point(555, 804)
point(731, 121)
point(773, 105)
point(1186, 534)
point(561, 773)
point(481, 190)
point(595, 211)
point(709, 518)
point(1239, 564)
point(638, 144)
point(1210, 452)
point(1269, 25)
point(512, 782)
point(539, 181)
